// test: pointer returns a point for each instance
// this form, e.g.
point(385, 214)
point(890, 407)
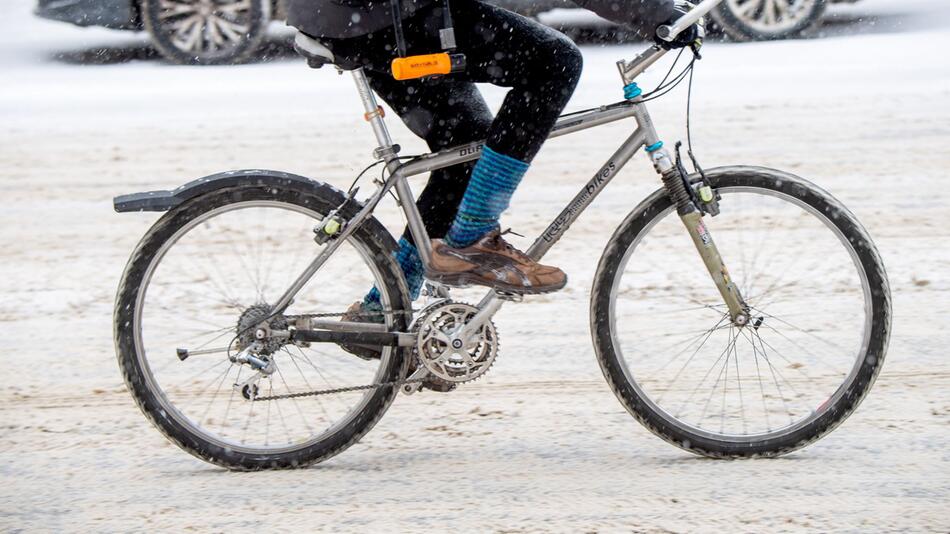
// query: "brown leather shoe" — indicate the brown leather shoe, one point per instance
point(491, 261)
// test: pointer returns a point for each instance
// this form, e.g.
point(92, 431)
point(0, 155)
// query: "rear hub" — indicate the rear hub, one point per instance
point(254, 327)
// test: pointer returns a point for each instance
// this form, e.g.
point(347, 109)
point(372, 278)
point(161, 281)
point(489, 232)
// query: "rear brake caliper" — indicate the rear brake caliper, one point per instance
point(333, 224)
point(329, 227)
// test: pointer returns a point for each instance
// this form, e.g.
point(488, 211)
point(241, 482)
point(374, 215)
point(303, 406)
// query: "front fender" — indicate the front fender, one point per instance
point(166, 200)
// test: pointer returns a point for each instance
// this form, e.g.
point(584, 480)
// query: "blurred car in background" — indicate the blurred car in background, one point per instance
point(209, 32)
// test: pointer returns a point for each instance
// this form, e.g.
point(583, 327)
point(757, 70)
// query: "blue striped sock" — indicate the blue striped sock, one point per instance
point(408, 258)
point(494, 179)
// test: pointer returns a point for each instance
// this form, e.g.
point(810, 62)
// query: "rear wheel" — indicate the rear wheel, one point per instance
point(820, 318)
point(762, 20)
point(209, 269)
point(206, 32)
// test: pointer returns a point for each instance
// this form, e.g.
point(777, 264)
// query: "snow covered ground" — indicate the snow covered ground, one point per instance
point(539, 444)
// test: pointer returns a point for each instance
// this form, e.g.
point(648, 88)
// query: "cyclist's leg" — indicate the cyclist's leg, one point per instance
point(542, 68)
point(445, 112)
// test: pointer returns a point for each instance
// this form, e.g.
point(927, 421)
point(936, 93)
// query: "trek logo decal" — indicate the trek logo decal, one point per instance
point(579, 203)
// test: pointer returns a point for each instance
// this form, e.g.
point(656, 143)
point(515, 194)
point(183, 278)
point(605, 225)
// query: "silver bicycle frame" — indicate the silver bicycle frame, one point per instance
point(643, 136)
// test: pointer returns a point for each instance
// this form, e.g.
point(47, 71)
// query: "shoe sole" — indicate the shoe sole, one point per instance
point(363, 352)
point(466, 279)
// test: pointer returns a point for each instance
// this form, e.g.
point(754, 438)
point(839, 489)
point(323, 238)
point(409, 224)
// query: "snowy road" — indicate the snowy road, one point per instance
point(541, 443)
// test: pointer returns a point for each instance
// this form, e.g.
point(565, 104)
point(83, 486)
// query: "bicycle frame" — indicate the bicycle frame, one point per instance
point(644, 136)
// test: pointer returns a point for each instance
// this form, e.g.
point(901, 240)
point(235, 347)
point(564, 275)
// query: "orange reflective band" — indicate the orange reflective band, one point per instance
point(412, 67)
point(373, 114)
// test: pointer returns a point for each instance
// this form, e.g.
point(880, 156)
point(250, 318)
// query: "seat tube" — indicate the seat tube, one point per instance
point(387, 151)
point(373, 113)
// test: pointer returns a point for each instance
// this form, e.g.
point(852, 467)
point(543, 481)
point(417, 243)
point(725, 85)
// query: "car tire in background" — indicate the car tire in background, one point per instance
point(764, 20)
point(206, 32)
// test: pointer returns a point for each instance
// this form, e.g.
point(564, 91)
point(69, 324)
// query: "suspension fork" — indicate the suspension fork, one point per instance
point(691, 216)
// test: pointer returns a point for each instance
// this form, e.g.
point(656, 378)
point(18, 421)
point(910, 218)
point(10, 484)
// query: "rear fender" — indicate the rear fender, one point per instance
point(166, 200)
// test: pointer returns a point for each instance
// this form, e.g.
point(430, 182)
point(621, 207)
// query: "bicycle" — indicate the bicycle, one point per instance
point(757, 361)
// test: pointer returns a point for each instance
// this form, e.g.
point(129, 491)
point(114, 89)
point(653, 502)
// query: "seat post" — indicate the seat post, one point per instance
point(374, 114)
point(388, 151)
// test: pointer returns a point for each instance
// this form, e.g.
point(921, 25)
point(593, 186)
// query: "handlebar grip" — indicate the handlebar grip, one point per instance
point(414, 67)
point(669, 33)
point(665, 32)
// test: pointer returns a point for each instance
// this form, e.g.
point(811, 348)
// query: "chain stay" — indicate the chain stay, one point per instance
point(315, 393)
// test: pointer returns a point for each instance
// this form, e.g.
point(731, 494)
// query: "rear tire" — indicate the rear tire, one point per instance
point(178, 426)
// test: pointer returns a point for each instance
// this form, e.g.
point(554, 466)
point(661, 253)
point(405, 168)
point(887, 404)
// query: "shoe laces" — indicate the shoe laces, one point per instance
point(509, 247)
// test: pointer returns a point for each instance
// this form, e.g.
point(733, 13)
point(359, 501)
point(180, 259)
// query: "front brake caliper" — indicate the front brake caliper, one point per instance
point(703, 195)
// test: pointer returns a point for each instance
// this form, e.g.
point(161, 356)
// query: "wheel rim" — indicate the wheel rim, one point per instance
point(227, 419)
point(206, 28)
point(785, 382)
point(772, 16)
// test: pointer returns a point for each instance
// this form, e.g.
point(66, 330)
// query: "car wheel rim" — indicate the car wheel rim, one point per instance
point(771, 16)
point(206, 28)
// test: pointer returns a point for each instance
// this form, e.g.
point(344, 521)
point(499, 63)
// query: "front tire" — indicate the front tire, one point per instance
point(815, 357)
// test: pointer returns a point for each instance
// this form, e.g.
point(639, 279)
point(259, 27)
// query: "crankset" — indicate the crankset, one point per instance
point(442, 359)
point(445, 353)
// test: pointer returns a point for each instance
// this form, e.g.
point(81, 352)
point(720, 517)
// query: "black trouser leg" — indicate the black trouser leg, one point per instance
point(445, 114)
point(540, 65)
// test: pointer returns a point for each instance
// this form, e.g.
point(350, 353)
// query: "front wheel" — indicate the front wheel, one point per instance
point(820, 318)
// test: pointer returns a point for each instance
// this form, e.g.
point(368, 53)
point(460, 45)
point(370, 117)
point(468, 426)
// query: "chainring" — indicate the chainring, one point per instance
point(447, 358)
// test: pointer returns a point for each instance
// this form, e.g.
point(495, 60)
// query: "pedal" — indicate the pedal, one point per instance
point(508, 296)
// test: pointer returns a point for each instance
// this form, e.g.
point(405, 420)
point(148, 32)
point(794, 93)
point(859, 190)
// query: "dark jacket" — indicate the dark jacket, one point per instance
point(351, 18)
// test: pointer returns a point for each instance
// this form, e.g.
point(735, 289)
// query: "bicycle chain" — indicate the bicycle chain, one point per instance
point(316, 393)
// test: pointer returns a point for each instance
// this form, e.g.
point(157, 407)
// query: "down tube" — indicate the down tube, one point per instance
point(556, 229)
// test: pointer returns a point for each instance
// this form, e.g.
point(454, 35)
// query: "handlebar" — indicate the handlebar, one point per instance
point(669, 32)
point(630, 70)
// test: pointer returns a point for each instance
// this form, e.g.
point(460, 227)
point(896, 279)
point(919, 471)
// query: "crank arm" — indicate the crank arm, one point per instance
point(414, 382)
point(488, 307)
